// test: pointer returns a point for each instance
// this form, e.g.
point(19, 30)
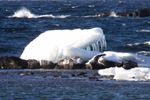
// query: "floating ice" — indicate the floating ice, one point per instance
point(54, 45)
point(120, 57)
point(134, 74)
point(25, 13)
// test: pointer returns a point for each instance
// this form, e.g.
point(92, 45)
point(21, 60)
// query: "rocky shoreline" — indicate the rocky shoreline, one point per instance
point(95, 63)
point(18, 63)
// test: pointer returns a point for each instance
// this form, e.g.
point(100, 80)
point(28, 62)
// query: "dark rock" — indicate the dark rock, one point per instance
point(137, 13)
point(70, 63)
point(47, 64)
point(145, 12)
point(94, 64)
point(44, 64)
point(65, 64)
point(33, 64)
point(99, 62)
point(12, 62)
point(111, 77)
point(79, 66)
point(108, 64)
point(129, 64)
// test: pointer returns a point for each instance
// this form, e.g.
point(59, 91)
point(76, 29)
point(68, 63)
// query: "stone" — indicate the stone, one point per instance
point(65, 64)
point(71, 63)
point(12, 63)
point(33, 64)
point(94, 64)
point(103, 61)
point(47, 64)
point(137, 13)
point(129, 64)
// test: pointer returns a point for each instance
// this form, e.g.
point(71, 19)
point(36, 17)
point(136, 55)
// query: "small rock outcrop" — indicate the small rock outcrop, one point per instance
point(47, 64)
point(33, 64)
point(100, 62)
point(12, 63)
point(70, 63)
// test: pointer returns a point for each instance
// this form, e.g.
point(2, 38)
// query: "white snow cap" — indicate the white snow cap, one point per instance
point(120, 56)
point(54, 45)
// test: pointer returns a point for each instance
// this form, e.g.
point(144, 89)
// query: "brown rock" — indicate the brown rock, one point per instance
point(12, 62)
point(129, 64)
point(65, 64)
point(33, 64)
point(47, 64)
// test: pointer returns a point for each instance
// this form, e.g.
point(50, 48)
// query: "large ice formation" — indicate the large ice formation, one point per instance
point(54, 45)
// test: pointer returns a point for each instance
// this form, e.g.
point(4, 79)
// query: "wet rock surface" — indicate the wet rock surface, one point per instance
point(145, 12)
point(17, 63)
point(99, 62)
point(94, 64)
point(12, 62)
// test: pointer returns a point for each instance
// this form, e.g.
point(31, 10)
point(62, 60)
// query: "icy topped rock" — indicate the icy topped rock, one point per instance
point(55, 45)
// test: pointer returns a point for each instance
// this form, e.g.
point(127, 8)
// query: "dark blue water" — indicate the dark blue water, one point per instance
point(42, 85)
point(66, 89)
point(16, 33)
